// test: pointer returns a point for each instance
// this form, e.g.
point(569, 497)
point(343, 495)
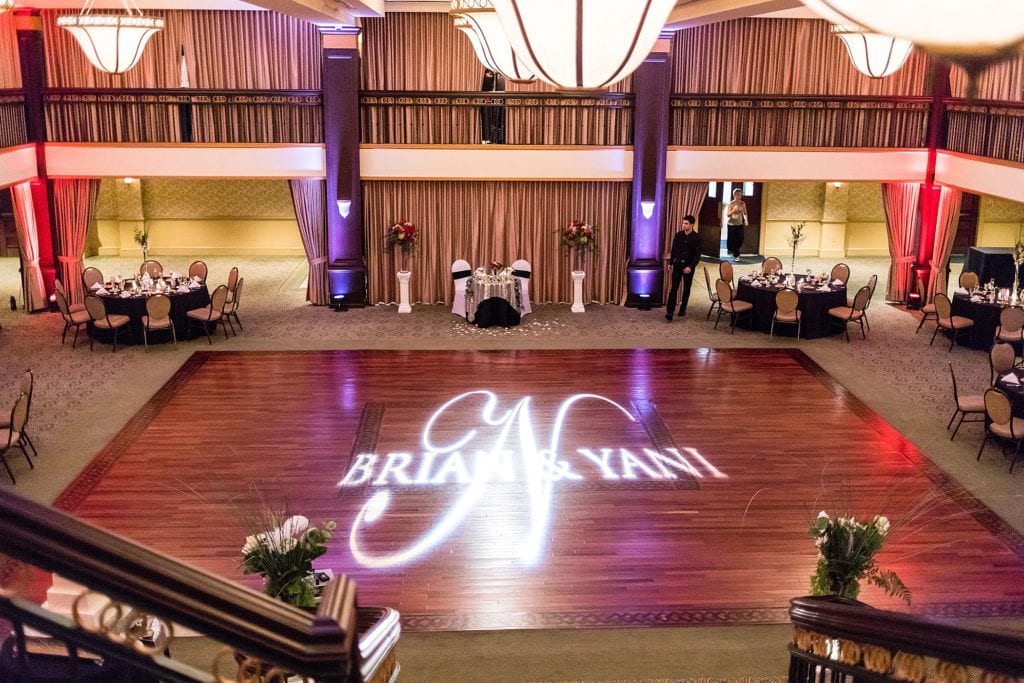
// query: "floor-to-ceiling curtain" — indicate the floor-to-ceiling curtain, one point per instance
point(308, 199)
point(681, 199)
point(28, 239)
point(901, 217)
point(484, 221)
point(947, 218)
point(74, 201)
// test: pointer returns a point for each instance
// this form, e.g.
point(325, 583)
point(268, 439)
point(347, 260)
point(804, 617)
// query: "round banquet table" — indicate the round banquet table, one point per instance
point(135, 307)
point(492, 300)
point(813, 307)
point(986, 319)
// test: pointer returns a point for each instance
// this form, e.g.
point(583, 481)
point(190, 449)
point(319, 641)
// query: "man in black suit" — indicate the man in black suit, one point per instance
point(684, 258)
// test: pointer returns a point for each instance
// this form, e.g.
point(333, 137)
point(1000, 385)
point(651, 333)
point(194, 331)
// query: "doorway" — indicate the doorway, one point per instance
point(713, 219)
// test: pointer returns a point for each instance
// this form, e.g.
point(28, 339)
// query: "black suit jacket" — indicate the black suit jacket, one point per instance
point(685, 250)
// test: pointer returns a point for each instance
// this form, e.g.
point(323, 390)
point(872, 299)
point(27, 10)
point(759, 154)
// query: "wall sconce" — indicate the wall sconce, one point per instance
point(837, 184)
point(344, 206)
point(129, 181)
point(647, 207)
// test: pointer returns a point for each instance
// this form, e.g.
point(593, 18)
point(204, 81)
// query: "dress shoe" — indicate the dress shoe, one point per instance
point(668, 317)
point(681, 314)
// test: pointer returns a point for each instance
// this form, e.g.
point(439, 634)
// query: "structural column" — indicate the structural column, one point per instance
point(346, 268)
point(929, 204)
point(32, 60)
point(644, 272)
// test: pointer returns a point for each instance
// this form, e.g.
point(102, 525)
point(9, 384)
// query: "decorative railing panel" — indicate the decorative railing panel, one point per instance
point(12, 118)
point(184, 116)
point(459, 118)
point(797, 121)
point(144, 595)
point(986, 128)
point(835, 639)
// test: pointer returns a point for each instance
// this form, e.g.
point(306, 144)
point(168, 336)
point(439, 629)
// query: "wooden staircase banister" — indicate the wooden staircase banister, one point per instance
point(849, 620)
point(311, 645)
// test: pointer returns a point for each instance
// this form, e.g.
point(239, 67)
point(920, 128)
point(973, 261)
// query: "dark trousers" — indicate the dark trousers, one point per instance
point(734, 239)
point(687, 279)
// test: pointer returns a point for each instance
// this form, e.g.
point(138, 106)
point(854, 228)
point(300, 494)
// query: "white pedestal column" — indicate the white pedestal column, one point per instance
point(577, 291)
point(403, 291)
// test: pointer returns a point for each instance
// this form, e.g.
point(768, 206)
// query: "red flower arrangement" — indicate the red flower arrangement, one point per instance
point(496, 265)
point(403, 235)
point(579, 237)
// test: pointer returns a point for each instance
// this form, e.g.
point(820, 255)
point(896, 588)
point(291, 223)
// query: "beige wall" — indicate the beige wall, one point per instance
point(1000, 222)
point(839, 222)
point(191, 217)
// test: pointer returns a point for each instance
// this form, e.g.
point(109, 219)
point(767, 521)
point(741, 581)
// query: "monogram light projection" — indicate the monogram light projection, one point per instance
point(474, 462)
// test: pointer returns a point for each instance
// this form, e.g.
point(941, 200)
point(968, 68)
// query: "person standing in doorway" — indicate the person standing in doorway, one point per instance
point(736, 219)
point(684, 257)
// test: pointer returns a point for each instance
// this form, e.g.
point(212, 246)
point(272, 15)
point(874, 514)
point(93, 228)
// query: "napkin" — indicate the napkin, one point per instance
point(194, 285)
point(824, 288)
point(837, 282)
point(96, 286)
point(962, 290)
point(126, 295)
point(1011, 379)
point(101, 292)
point(183, 289)
point(976, 299)
point(755, 283)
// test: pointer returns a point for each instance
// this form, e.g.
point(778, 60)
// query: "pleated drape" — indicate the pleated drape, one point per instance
point(1001, 81)
point(681, 199)
point(28, 239)
point(779, 57)
point(901, 217)
point(947, 219)
point(308, 198)
point(224, 50)
point(74, 201)
point(483, 221)
point(10, 69)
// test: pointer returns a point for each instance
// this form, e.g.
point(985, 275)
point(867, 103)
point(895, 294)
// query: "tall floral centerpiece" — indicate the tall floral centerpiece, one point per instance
point(579, 239)
point(846, 556)
point(142, 239)
point(403, 236)
point(1018, 261)
point(796, 236)
point(283, 555)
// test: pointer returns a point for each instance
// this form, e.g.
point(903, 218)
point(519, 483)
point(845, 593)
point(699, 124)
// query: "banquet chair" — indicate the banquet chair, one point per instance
point(852, 314)
point(232, 282)
point(10, 436)
point(71, 319)
point(231, 307)
point(947, 321)
point(522, 270)
point(969, 280)
point(786, 301)
point(90, 277)
point(927, 309)
point(58, 287)
point(872, 283)
point(1011, 326)
point(726, 302)
point(1001, 422)
point(198, 268)
point(461, 272)
point(712, 294)
point(840, 271)
point(103, 320)
point(771, 265)
point(152, 268)
point(214, 313)
point(158, 317)
point(971, 404)
point(725, 272)
point(25, 386)
point(1001, 359)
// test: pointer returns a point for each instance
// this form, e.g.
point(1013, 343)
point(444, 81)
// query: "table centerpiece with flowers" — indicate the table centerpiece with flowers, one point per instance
point(283, 555)
point(846, 556)
point(796, 236)
point(579, 239)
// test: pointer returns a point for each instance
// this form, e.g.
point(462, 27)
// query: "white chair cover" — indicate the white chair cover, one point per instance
point(461, 272)
point(520, 266)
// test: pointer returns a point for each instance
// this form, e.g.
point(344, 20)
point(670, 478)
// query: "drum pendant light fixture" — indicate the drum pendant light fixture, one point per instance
point(112, 42)
point(6, 6)
point(585, 44)
point(872, 54)
point(478, 20)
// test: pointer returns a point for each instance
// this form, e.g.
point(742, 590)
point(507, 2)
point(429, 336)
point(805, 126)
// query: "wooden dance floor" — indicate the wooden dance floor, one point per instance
point(547, 489)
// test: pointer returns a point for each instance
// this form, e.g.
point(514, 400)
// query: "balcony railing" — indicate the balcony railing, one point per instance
point(12, 118)
point(467, 118)
point(797, 121)
point(340, 643)
point(986, 128)
point(184, 115)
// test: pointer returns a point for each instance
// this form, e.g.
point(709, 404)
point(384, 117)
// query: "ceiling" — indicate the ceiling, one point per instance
point(687, 12)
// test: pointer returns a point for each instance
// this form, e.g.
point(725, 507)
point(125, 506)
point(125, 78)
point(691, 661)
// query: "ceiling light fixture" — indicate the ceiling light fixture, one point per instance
point(6, 5)
point(112, 42)
point(584, 44)
point(872, 54)
point(478, 20)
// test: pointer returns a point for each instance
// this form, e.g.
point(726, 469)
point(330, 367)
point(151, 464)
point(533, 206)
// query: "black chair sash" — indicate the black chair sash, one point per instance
point(525, 274)
point(459, 274)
